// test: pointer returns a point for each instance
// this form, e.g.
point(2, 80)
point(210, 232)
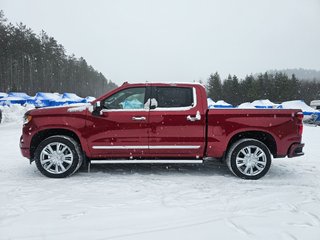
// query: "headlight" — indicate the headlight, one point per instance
point(26, 119)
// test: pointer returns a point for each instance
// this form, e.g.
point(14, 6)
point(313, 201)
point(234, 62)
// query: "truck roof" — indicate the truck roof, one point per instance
point(164, 83)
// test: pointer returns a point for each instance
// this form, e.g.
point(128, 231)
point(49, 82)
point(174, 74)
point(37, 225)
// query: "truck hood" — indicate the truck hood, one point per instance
point(61, 110)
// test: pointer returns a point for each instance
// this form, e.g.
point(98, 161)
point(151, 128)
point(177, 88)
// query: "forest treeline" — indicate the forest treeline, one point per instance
point(277, 87)
point(33, 63)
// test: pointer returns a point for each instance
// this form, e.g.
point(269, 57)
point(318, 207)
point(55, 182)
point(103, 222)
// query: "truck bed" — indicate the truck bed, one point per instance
point(278, 126)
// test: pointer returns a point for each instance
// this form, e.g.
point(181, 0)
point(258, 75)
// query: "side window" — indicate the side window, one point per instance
point(130, 98)
point(173, 97)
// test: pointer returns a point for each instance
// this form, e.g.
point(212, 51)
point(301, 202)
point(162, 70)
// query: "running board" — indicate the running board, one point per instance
point(123, 161)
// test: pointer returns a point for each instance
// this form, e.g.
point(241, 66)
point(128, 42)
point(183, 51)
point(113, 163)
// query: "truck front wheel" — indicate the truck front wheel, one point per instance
point(58, 156)
point(249, 159)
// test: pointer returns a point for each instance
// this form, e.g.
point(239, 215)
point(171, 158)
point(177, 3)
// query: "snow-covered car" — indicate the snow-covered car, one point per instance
point(315, 104)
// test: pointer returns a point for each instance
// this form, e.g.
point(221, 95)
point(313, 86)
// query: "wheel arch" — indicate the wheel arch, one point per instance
point(261, 136)
point(43, 134)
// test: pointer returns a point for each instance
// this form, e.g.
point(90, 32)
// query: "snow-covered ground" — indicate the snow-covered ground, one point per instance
point(159, 201)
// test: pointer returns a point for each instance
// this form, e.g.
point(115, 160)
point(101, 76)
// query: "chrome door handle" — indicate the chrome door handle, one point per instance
point(138, 118)
point(195, 118)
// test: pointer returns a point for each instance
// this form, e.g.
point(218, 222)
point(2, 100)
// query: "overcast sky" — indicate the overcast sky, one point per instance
point(178, 40)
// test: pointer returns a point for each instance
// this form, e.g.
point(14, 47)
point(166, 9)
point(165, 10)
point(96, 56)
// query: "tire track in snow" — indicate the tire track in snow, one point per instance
point(287, 235)
point(161, 229)
point(239, 229)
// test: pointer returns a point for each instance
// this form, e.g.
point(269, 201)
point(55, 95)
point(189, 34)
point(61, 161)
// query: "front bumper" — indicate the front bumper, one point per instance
point(25, 151)
point(295, 150)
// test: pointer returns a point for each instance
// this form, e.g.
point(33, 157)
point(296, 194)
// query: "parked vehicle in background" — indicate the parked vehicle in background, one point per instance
point(315, 104)
point(159, 123)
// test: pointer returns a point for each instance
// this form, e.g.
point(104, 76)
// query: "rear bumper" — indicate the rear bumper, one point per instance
point(296, 150)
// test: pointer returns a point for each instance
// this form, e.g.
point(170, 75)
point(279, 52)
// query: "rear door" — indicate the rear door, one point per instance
point(177, 126)
point(122, 129)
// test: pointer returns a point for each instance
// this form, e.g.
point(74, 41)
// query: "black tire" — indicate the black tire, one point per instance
point(249, 159)
point(67, 161)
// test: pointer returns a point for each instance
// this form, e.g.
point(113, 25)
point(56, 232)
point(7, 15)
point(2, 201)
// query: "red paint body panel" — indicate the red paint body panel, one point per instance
point(163, 133)
point(223, 124)
point(117, 129)
point(171, 128)
point(50, 119)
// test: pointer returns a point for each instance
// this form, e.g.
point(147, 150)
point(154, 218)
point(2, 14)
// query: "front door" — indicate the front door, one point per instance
point(122, 129)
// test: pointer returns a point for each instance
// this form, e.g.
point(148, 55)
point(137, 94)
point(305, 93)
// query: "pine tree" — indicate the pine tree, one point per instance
point(249, 89)
point(236, 91)
point(33, 63)
point(214, 87)
point(227, 90)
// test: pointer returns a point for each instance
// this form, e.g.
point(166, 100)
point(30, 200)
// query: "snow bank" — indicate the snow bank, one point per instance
point(90, 99)
point(73, 98)
point(246, 105)
point(310, 114)
point(2, 95)
point(218, 104)
point(6, 101)
point(45, 95)
point(14, 112)
point(19, 95)
point(15, 104)
point(263, 103)
point(298, 104)
point(210, 102)
point(42, 99)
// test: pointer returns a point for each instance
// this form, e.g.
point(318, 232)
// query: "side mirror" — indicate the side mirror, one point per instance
point(97, 109)
point(153, 103)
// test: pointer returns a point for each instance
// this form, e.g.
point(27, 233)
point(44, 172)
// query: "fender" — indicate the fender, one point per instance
point(58, 128)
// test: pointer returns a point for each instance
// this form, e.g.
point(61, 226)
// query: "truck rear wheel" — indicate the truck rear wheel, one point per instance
point(249, 159)
point(58, 156)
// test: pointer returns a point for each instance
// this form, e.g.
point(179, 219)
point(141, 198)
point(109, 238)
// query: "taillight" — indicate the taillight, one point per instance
point(299, 116)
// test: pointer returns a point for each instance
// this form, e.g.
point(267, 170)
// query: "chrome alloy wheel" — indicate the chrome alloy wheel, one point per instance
point(56, 158)
point(251, 160)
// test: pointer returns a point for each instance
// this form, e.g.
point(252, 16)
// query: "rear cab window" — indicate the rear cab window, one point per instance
point(173, 98)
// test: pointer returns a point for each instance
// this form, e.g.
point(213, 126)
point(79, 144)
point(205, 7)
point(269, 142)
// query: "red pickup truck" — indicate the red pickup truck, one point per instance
point(159, 123)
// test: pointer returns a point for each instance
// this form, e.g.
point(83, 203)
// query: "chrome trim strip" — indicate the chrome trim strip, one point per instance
point(96, 161)
point(147, 147)
point(174, 147)
point(125, 110)
point(120, 147)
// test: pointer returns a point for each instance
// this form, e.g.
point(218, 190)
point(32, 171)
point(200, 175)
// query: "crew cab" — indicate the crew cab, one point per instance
point(159, 123)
